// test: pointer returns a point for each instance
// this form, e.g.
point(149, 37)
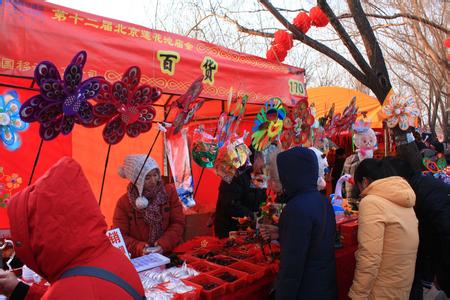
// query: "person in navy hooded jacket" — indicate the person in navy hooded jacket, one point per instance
point(307, 231)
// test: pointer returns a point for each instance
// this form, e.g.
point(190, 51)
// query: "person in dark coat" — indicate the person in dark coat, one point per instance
point(240, 198)
point(307, 231)
point(433, 213)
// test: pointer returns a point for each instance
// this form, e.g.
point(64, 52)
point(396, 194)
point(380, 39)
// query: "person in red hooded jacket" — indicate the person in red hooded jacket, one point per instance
point(57, 227)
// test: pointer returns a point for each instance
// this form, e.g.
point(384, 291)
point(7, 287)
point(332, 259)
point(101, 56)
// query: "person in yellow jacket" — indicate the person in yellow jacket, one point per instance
point(387, 234)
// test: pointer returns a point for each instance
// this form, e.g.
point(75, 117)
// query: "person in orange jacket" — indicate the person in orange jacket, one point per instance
point(150, 215)
point(387, 235)
point(59, 232)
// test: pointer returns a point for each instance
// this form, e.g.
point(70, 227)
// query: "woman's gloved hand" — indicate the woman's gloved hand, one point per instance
point(269, 232)
point(149, 249)
point(8, 282)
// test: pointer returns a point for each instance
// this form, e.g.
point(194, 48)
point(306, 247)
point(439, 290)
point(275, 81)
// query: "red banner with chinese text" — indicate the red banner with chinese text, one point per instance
point(32, 31)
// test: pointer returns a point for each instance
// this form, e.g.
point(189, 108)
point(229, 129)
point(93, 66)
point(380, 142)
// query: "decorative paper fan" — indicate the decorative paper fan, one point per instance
point(8, 183)
point(268, 124)
point(10, 122)
point(61, 102)
point(400, 111)
point(125, 106)
point(297, 126)
point(188, 105)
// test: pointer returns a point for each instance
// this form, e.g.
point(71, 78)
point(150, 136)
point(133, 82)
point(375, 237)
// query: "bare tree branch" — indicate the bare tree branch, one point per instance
point(298, 35)
point(401, 15)
point(373, 50)
point(344, 36)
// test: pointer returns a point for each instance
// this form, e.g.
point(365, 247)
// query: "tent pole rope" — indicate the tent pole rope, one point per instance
point(36, 161)
point(104, 175)
point(151, 148)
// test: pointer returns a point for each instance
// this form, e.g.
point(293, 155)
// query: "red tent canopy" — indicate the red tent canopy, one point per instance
point(32, 31)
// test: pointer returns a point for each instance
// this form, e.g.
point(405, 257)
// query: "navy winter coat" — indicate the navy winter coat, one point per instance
point(307, 231)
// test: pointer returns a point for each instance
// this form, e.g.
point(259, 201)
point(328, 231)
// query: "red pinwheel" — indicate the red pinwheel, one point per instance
point(125, 107)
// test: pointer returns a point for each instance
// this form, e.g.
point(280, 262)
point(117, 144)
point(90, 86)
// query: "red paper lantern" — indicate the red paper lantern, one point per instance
point(284, 38)
point(276, 53)
point(447, 43)
point(280, 51)
point(270, 55)
point(318, 17)
point(303, 22)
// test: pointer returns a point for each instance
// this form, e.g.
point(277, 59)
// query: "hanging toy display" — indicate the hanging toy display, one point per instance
point(297, 125)
point(204, 148)
point(342, 122)
point(401, 112)
point(365, 139)
point(268, 124)
point(437, 167)
point(10, 122)
point(61, 102)
point(8, 183)
point(180, 164)
point(187, 105)
point(232, 156)
point(125, 107)
point(229, 123)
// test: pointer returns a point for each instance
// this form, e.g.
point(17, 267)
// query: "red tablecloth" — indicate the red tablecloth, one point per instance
point(345, 267)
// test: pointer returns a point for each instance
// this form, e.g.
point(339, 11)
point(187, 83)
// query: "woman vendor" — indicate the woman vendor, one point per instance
point(150, 214)
point(240, 198)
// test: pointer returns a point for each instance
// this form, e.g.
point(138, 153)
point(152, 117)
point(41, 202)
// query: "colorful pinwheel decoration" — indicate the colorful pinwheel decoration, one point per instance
point(297, 126)
point(268, 124)
point(400, 111)
point(188, 105)
point(61, 102)
point(125, 107)
point(8, 183)
point(10, 122)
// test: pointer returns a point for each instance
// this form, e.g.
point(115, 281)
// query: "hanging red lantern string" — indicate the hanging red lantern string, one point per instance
point(303, 22)
point(318, 17)
point(283, 38)
point(276, 53)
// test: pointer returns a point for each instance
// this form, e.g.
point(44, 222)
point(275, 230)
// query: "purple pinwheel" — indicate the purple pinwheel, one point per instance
point(61, 102)
point(125, 107)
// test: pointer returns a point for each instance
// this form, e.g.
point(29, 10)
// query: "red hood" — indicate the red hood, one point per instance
point(56, 222)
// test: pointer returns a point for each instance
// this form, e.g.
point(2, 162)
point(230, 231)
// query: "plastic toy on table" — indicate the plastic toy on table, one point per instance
point(340, 205)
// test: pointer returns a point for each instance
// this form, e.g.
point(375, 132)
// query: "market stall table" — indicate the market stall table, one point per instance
point(206, 254)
